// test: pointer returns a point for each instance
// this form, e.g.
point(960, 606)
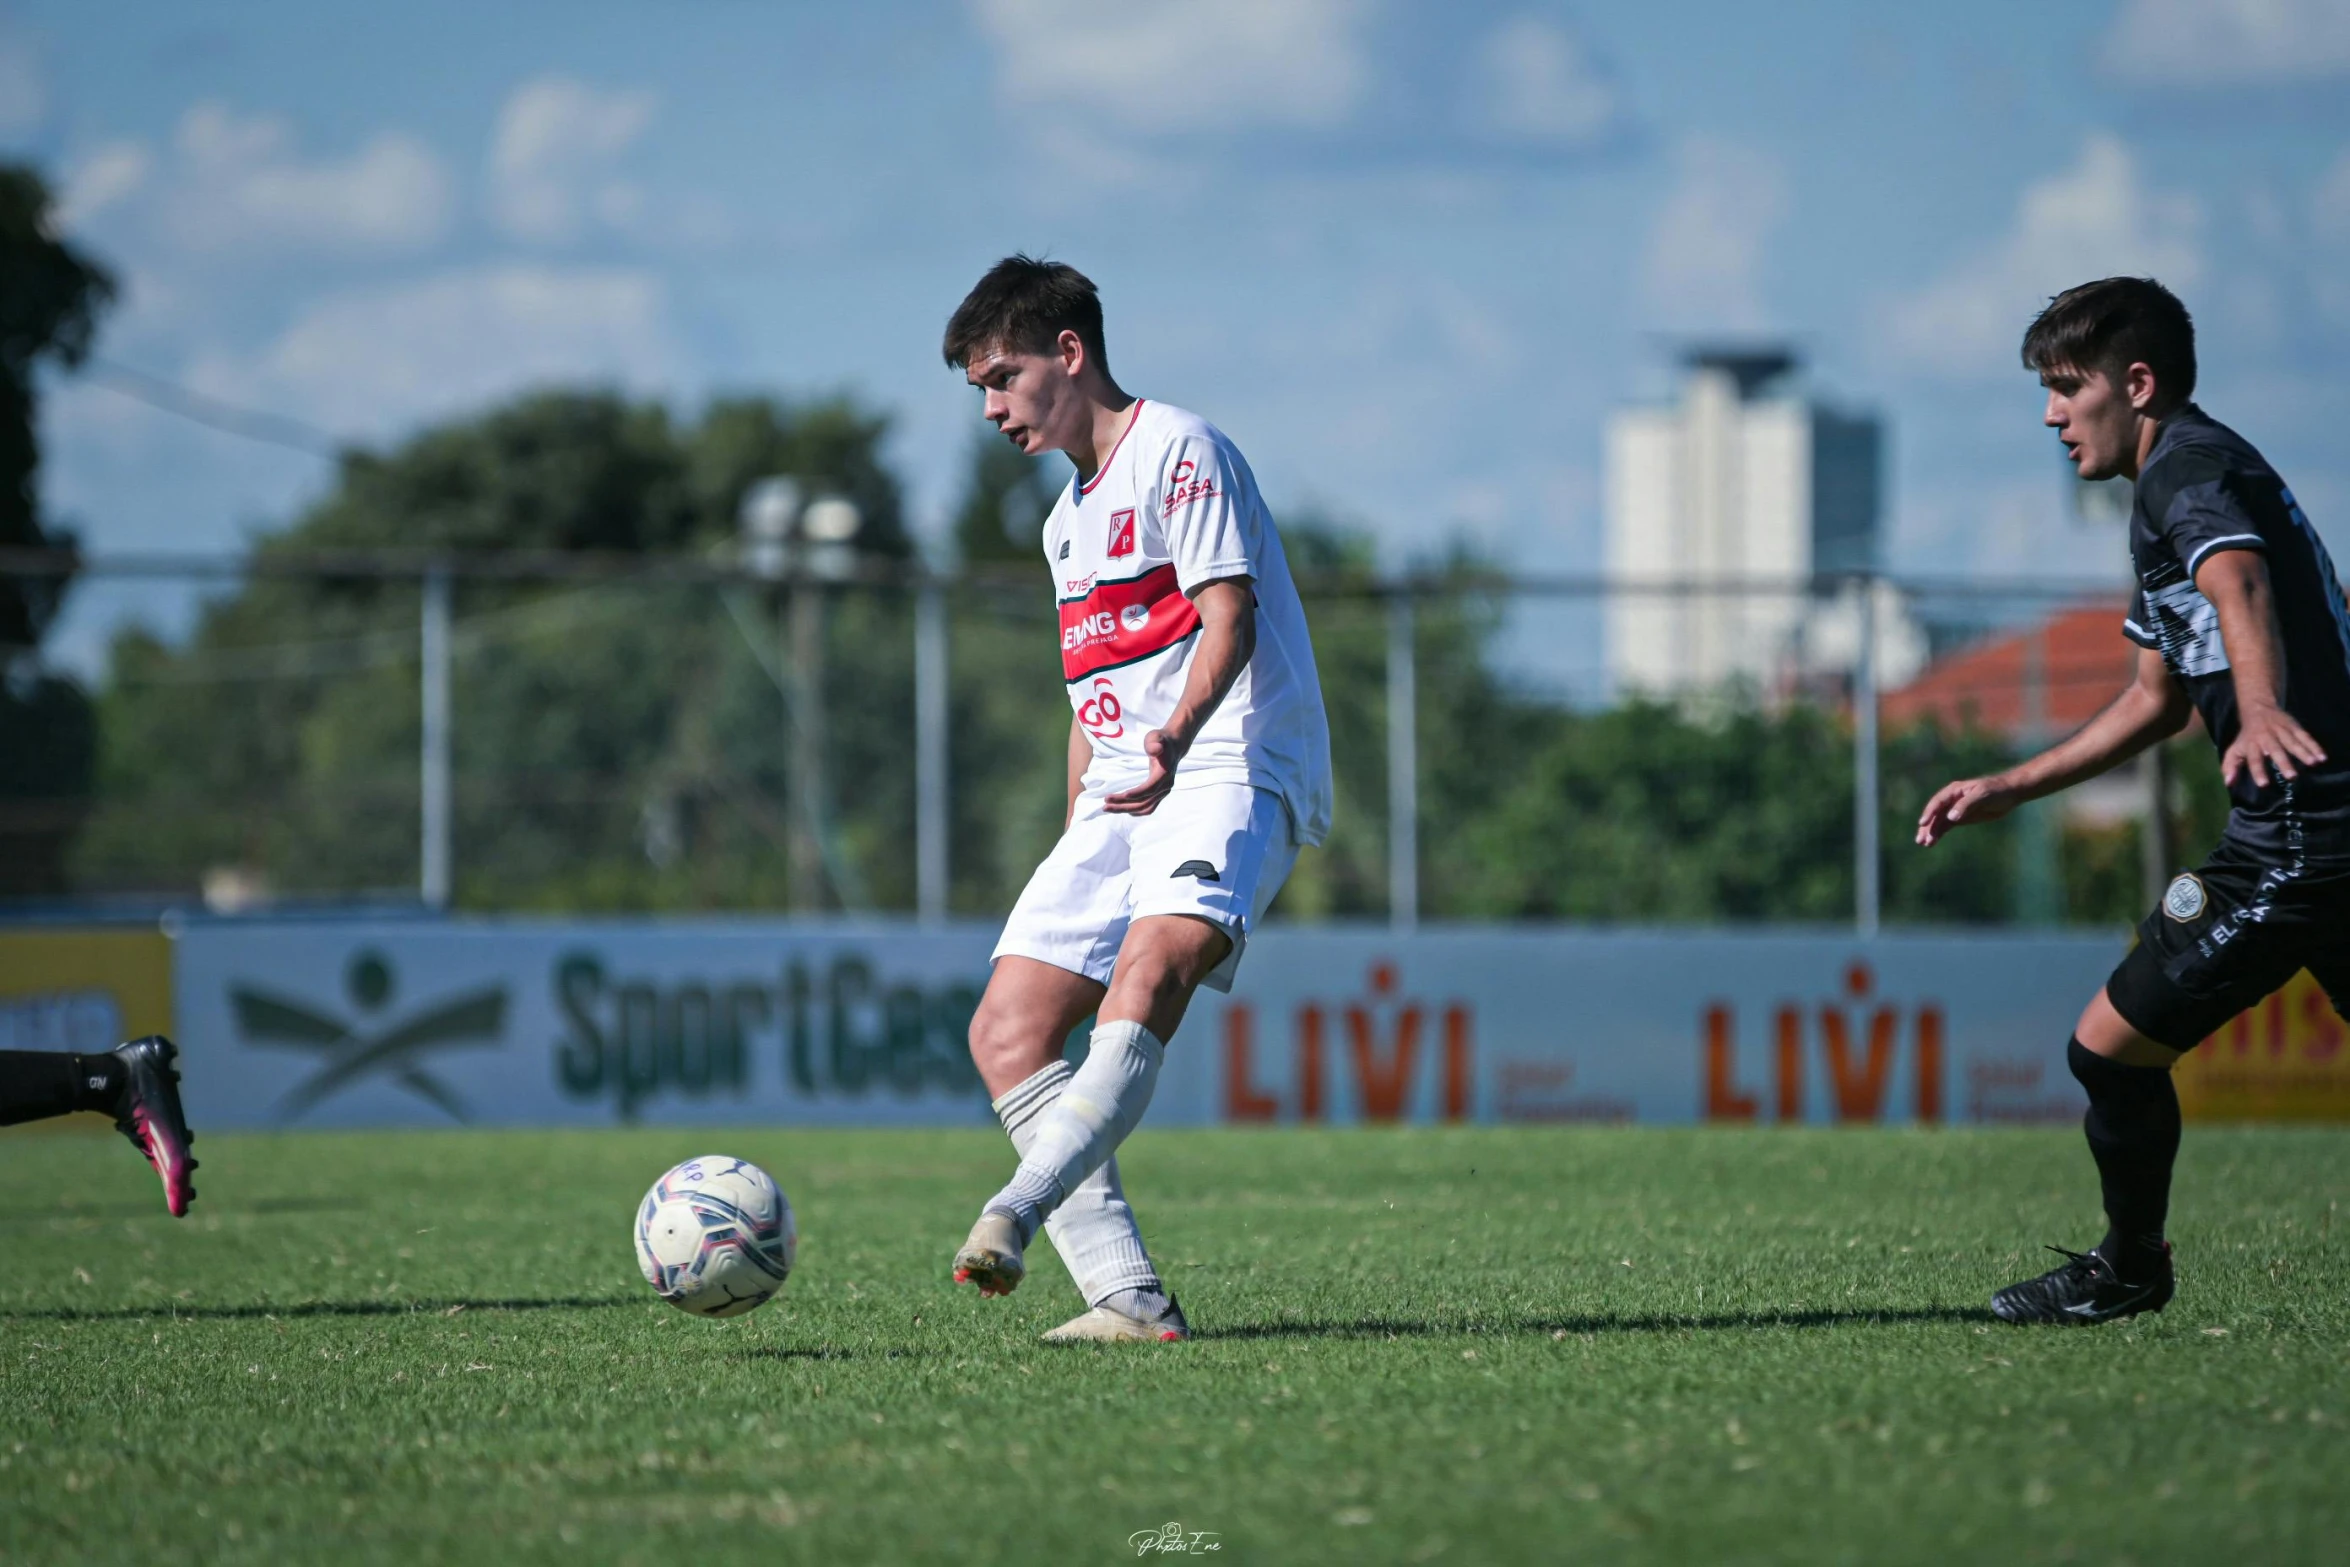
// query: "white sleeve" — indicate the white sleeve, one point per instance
point(1207, 512)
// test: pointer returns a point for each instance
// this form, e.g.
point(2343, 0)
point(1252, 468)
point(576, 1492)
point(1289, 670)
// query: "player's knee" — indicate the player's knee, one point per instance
point(1005, 1045)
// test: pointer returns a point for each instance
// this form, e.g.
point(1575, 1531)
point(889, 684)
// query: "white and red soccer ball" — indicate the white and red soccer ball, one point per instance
point(716, 1237)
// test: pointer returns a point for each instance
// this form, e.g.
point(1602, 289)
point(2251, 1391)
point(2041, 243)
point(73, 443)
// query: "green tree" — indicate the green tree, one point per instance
point(617, 745)
point(51, 296)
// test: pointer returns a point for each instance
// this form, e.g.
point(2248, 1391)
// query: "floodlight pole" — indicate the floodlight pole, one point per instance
point(1866, 852)
point(1403, 767)
point(930, 751)
point(434, 793)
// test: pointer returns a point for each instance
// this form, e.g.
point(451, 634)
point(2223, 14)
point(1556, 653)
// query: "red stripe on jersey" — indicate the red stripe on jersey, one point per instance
point(1119, 622)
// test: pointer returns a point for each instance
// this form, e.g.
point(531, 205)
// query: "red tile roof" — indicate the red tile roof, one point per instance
point(2085, 661)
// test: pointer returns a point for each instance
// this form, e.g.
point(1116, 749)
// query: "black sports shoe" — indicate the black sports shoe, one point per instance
point(149, 1115)
point(2084, 1290)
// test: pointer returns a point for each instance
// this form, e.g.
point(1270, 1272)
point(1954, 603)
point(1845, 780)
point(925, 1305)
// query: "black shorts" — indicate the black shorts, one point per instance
point(2228, 934)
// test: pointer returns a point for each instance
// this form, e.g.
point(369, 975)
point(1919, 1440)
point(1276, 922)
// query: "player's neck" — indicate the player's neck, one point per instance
point(1113, 413)
point(2149, 431)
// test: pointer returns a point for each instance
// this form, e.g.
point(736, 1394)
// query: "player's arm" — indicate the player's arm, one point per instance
point(1080, 758)
point(2268, 739)
point(2152, 707)
point(1227, 640)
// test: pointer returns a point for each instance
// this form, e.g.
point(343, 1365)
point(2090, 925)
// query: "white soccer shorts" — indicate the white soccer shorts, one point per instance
point(1217, 851)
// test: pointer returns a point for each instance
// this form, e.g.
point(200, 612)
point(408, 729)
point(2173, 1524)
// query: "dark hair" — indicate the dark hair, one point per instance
point(2115, 323)
point(1025, 305)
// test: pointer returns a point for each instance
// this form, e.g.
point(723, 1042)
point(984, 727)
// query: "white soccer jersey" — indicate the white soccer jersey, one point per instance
point(1175, 506)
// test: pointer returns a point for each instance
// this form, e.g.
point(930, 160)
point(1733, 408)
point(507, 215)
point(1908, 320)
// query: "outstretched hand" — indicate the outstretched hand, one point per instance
point(2268, 741)
point(1164, 751)
point(1962, 804)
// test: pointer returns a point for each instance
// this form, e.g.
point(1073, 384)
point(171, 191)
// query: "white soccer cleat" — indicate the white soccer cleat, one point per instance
point(1102, 1325)
point(991, 1257)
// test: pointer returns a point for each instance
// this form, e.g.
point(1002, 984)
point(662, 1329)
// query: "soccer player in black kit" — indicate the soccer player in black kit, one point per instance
point(2240, 618)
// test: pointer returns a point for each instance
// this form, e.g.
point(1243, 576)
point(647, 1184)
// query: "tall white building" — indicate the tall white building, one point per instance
point(1733, 483)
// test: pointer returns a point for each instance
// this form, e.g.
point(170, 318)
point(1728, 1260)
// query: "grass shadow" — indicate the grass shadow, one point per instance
point(1721, 1322)
point(312, 1308)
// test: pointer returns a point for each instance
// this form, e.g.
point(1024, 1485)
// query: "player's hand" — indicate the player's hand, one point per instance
point(2268, 740)
point(1964, 803)
point(1165, 751)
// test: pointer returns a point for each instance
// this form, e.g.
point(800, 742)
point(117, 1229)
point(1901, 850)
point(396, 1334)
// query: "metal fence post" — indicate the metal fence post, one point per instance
point(434, 794)
point(1866, 853)
point(1403, 767)
point(2039, 892)
point(930, 751)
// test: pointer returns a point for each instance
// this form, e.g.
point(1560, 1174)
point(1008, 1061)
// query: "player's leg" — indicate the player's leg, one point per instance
point(2225, 938)
point(1204, 866)
point(1052, 967)
point(137, 1084)
point(1016, 1037)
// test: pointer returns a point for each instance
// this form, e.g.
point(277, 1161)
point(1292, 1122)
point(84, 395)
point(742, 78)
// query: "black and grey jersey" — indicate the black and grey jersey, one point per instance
point(2201, 490)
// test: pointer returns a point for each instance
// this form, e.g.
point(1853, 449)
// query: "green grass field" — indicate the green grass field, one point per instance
point(1460, 1346)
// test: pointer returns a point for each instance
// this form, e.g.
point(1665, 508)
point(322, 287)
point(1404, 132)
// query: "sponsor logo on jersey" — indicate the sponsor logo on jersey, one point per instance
point(1122, 532)
point(1101, 715)
point(1123, 621)
point(1184, 485)
point(2183, 899)
point(1199, 868)
point(1082, 584)
point(1064, 555)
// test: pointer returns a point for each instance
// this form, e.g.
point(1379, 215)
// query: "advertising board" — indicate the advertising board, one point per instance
point(517, 1022)
point(83, 990)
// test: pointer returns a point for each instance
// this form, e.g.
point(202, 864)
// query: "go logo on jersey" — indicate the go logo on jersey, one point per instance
point(1101, 714)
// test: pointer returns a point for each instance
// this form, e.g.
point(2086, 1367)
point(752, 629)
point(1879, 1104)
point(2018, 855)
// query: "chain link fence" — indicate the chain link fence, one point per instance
point(585, 734)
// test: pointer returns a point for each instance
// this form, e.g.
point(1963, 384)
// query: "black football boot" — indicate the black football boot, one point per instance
point(2085, 1289)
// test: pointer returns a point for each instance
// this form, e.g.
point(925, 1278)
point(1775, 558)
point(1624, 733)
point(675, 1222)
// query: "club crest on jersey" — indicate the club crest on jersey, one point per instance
point(1122, 532)
point(2182, 900)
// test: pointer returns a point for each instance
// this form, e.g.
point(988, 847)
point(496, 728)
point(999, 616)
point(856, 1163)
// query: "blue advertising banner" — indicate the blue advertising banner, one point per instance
point(521, 1022)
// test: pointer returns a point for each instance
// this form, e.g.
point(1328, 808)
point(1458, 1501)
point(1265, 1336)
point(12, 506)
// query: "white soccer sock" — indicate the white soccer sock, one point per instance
point(1103, 1101)
point(1094, 1229)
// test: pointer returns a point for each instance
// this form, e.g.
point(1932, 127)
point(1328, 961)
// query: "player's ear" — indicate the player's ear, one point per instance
point(1071, 349)
point(2139, 385)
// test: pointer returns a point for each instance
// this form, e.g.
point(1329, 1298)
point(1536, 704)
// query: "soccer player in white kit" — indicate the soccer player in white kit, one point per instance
point(1199, 763)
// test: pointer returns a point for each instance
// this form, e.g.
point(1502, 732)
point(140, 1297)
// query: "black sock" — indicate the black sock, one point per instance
point(2133, 1130)
point(38, 1084)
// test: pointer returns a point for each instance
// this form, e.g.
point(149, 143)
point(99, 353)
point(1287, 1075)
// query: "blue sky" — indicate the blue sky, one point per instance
point(1408, 256)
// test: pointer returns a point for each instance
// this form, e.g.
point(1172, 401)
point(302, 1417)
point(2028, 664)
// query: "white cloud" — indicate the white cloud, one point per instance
point(237, 183)
point(373, 361)
point(1542, 82)
point(1705, 254)
point(2096, 219)
point(107, 176)
point(24, 97)
point(551, 158)
point(2229, 43)
point(1180, 65)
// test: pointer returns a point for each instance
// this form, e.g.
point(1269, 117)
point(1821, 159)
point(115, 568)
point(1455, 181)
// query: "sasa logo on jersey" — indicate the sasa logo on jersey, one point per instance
point(1101, 714)
point(1122, 532)
point(1185, 486)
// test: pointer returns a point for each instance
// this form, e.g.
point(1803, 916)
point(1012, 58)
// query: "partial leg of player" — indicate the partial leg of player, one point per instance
point(2133, 1130)
point(1161, 962)
point(136, 1083)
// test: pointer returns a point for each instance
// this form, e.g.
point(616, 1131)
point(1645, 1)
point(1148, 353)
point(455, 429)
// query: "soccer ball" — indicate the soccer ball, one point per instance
point(715, 1237)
